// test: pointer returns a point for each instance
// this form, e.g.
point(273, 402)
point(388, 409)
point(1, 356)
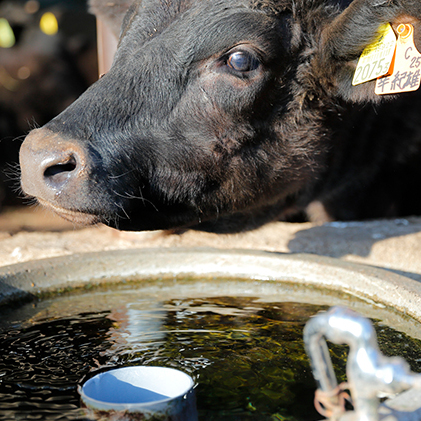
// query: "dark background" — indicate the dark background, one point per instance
point(40, 74)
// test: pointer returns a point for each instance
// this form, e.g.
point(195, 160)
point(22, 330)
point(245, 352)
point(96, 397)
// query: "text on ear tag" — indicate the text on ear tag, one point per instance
point(377, 58)
point(406, 76)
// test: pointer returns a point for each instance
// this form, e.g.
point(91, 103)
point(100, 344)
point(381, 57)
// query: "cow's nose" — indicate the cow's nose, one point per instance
point(50, 165)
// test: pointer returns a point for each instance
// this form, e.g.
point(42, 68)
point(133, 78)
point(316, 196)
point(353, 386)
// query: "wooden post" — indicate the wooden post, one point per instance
point(107, 46)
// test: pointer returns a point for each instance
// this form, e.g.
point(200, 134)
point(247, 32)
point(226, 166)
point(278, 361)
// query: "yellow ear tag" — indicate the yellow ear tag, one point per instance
point(377, 58)
point(406, 76)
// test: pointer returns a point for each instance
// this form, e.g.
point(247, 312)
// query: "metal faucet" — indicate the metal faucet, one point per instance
point(370, 374)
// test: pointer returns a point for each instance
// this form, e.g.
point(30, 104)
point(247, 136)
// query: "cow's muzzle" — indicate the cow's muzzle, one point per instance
point(54, 171)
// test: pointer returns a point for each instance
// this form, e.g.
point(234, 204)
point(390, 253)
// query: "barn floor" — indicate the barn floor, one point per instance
point(33, 233)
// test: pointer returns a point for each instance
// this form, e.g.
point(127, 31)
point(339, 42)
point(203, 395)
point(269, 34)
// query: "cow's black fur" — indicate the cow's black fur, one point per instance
point(175, 137)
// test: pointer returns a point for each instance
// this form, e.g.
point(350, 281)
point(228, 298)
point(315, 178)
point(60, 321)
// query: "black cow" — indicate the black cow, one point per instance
point(225, 114)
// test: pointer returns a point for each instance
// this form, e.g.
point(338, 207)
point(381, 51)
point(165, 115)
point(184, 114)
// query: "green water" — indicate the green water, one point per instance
point(245, 353)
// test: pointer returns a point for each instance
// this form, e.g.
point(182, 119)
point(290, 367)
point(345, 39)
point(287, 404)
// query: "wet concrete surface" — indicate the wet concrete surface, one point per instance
point(32, 233)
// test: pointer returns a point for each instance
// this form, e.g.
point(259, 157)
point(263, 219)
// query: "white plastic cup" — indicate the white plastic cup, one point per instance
point(144, 392)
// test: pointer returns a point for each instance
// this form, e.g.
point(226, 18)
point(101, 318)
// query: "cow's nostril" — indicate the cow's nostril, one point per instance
point(60, 168)
point(56, 175)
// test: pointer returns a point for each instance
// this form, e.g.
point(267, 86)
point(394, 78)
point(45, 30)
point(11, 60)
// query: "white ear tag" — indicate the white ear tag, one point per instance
point(406, 76)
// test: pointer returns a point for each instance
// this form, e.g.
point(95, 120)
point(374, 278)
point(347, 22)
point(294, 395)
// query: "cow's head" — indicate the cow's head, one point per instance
point(211, 108)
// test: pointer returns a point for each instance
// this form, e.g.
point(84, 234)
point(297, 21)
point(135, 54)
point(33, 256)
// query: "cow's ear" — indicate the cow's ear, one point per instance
point(343, 40)
point(111, 13)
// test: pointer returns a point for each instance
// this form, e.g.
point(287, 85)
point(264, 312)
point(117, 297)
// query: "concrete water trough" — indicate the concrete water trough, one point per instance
point(375, 293)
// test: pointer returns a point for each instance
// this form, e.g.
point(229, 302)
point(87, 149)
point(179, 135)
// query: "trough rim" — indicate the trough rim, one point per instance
point(24, 280)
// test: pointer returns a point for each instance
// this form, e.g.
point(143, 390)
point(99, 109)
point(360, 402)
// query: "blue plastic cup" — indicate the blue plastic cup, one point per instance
point(153, 392)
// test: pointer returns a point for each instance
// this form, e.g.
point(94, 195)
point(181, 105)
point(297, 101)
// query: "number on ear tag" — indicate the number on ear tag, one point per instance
point(406, 76)
point(377, 58)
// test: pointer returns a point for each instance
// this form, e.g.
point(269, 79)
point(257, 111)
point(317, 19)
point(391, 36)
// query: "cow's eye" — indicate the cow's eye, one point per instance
point(242, 61)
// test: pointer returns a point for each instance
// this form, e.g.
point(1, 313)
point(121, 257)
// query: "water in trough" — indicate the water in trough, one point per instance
point(244, 350)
